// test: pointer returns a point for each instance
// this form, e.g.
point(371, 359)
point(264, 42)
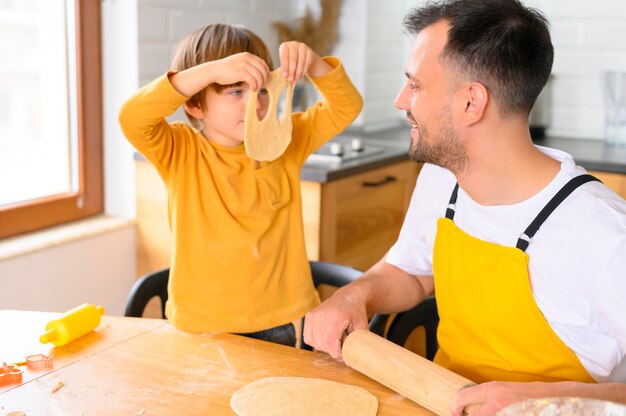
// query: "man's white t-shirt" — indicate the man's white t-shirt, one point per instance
point(577, 258)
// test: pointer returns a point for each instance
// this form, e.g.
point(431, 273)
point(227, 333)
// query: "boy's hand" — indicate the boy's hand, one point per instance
point(297, 60)
point(241, 67)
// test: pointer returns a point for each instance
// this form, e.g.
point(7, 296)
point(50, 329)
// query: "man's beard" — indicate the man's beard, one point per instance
point(446, 150)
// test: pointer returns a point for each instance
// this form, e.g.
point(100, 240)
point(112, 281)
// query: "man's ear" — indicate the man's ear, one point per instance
point(475, 99)
point(193, 110)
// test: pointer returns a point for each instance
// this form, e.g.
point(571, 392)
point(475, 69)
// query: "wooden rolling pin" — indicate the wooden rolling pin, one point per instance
point(411, 375)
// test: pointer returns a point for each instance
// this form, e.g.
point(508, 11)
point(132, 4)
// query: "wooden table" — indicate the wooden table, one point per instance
point(139, 366)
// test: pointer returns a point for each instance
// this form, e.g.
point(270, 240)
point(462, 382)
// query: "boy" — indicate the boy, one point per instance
point(238, 256)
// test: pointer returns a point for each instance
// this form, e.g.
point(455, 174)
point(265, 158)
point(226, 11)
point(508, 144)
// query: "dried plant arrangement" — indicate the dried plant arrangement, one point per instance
point(320, 35)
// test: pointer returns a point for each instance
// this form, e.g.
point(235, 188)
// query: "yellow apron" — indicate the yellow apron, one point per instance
point(491, 327)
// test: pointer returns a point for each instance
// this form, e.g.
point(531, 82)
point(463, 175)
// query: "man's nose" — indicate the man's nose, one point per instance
point(402, 101)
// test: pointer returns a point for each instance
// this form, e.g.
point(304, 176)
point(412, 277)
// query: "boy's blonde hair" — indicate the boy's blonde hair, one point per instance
point(215, 42)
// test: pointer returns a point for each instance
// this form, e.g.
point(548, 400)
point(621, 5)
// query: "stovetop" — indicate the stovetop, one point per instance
point(344, 149)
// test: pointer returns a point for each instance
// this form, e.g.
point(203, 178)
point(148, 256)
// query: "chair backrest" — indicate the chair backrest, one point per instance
point(425, 315)
point(146, 288)
point(331, 274)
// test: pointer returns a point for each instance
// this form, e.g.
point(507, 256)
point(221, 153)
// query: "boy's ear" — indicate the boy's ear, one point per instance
point(193, 110)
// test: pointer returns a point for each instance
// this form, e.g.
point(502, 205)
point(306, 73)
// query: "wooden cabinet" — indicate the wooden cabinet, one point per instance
point(153, 231)
point(615, 181)
point(355, 220)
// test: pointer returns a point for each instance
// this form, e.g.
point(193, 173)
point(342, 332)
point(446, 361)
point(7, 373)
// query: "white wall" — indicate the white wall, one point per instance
point(588, 37)
point(370, 44)
point(98, 269)
point(120, 80)
point(162, 23)
point(373, 48)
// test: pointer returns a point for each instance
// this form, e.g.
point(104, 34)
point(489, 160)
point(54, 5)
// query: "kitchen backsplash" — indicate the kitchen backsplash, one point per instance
point(371, 43)
point(588, 38)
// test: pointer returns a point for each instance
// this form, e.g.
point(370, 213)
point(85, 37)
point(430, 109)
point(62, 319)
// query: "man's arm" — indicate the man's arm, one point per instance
point(496, 395)
point(383, 289)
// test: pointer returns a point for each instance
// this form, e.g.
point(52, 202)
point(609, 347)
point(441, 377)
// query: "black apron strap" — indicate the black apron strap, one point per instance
point(568, 188)
point(452, 203)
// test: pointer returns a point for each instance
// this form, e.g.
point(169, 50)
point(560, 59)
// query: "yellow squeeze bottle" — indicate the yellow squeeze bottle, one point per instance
point(73, 324)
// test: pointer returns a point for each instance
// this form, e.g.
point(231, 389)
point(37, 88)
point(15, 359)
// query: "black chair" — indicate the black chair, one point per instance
point(147, 287)
point(155, 284)
point(424, 314)
point(330, 274)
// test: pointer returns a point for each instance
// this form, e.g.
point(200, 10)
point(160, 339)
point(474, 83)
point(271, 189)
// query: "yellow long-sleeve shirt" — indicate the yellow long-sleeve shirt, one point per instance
point(238, 255)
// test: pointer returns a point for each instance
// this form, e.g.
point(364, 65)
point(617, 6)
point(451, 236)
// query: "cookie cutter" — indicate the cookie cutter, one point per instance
point(38, 362)
point(10, 374)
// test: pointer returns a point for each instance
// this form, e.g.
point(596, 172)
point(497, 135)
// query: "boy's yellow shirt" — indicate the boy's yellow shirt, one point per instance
point(238, 255)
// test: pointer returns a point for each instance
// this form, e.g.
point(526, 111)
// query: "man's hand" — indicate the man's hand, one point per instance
point(326, 325)
point(495, 395)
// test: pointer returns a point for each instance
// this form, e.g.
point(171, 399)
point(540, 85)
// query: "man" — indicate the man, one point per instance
point(528, 262)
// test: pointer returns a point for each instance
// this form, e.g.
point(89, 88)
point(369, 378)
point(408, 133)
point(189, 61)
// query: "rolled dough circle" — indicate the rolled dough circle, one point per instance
point(302, 396)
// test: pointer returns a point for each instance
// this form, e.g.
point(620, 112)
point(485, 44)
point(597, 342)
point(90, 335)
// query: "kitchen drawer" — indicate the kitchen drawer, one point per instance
point(355, 220)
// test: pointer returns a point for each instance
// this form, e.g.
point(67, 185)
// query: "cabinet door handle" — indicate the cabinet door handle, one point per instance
point(388, 179)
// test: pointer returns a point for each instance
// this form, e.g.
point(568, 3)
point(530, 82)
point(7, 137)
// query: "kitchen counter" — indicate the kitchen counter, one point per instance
point(388, 147)
point(392, 146)
point(588, 153)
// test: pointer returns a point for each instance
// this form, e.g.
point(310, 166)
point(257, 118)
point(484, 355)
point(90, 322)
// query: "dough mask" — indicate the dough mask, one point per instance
point(266, 140)
point(302, 396)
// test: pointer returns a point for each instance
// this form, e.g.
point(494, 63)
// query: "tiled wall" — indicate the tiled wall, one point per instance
point(375, 49)
point(162, 23)
point(371, 43)
point(588, 38)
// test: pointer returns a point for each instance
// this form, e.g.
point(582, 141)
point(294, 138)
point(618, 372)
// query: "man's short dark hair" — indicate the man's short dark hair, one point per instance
point(499, 43)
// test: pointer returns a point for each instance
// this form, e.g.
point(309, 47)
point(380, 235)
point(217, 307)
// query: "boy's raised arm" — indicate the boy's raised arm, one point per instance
point(241, 67)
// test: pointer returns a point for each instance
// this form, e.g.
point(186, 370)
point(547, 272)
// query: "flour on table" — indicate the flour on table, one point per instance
point(302, 396)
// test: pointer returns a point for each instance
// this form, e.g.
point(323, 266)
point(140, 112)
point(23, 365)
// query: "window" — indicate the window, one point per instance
point(50, 113)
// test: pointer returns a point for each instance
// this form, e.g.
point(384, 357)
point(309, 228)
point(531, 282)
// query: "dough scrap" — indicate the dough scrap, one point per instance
point(266, 140)
point(302, 396)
